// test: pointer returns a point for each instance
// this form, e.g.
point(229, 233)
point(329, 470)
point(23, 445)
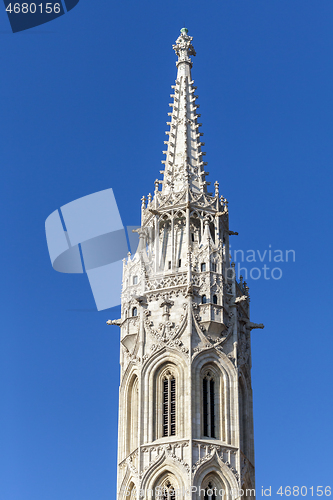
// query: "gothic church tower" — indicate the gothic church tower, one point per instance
point(185, 401)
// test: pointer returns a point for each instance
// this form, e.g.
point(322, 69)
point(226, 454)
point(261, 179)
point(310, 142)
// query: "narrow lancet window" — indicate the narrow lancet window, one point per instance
point(214, 299)
point(169, 406)
point(208, 400)
point(203, 267)
point(204, 299)
point(134, 311)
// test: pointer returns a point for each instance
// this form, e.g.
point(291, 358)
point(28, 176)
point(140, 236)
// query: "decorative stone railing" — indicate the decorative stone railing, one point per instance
point(171, 281)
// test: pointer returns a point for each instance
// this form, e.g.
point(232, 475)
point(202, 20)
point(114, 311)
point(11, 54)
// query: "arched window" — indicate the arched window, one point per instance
point(134, 311)
point(208, 400)
point(204, 299)
point(166, 404)
point(214, 299)
point(214, 267)
point(135, 280)
point(131, 440)
point(169, 405)
point(243, 418)
point(213, 487)
point(203, 267)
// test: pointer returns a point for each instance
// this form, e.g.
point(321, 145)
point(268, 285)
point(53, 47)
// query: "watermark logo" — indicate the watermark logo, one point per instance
point(161, 492)
point(88, 236)
point(260, 264)
point(26, 15)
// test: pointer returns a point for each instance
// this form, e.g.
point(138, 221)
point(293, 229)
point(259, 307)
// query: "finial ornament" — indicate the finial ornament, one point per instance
point(184, 48)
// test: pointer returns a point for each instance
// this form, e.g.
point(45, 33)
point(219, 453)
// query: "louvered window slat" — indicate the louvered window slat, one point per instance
point(165, 407)
point(169, 407)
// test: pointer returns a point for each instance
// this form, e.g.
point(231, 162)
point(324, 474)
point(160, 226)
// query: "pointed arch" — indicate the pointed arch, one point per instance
point(132, 416)
point(212, 488)
point(214, 262)
point(179, 235)
point(163, 471)
point(165, 223)
point(166, 487)
point(129, 412)
point(244, 415)
point(196, 226)
point(128, 487)
point(210, 401)
point(166, 413)
point(169, 392)
point(180, 214)
point(153, 376)
point(222, 477)
point(225, 381)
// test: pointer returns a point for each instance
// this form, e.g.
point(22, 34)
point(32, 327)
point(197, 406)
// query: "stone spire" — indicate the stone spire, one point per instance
point(185, 399)
point(184, 165)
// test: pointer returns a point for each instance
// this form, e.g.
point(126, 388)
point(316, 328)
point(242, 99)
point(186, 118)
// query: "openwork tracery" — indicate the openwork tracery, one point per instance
point(212, 488)
point(166, 489)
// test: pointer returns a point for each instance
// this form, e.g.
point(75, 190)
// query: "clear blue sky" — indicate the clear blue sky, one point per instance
point(84, 102)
